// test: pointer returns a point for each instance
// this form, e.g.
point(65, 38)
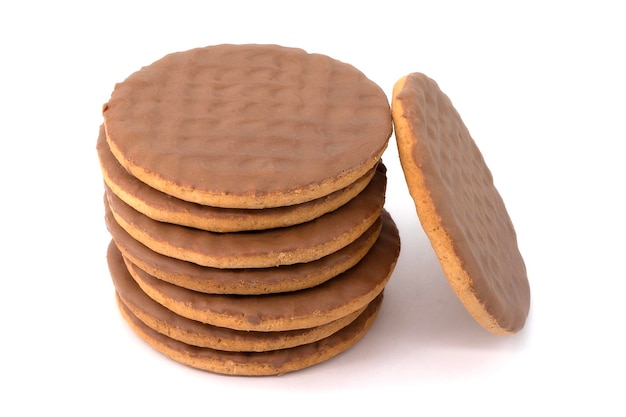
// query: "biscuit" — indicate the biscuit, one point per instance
point(165, 208)
point(166, 322)
point(316, 306)
point(247, 126)
point(275, 362)
point(282, 246)
point(241, 281)
point(459, 207)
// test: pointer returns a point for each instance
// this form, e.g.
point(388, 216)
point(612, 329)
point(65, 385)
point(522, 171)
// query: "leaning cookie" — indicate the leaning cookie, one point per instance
point(459, 207)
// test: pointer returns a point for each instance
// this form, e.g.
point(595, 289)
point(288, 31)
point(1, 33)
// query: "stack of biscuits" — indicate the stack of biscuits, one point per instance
point(244, 194)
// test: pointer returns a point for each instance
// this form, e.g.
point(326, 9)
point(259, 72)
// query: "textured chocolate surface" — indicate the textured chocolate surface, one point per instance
point(311, 307)
point(247, 126)
point(459, 207)
point(242, 281)
point(162, 207)
point(284, 246)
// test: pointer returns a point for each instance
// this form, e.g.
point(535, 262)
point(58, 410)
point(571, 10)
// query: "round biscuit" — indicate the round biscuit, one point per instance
point(241, 281)
point(192, 332)
point(258, 249)
point(459, 207)
point(275, 362)
point(165, 208)
point(316, 306)
point(247, 126)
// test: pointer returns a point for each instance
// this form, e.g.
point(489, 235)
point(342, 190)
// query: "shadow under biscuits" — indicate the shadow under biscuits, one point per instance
point(424, 312)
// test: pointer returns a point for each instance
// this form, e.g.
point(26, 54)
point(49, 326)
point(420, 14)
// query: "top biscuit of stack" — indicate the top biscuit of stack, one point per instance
point(247, 126)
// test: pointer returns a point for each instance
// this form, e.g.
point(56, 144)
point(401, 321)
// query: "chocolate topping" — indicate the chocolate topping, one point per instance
point(461, 210)
point(275, 362)
point(166, 208)
point(241, 281)
point(248, 126)
point(193, 332)
point(315, 306)
point(283, 246)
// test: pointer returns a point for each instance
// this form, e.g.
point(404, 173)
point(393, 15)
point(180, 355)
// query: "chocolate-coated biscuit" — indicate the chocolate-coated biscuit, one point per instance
point(241, 281)
point(316, 306)
point(192, 332)
point(275, 362)
point(459, 207)
point(258, 249)
point(247, 126)
point(165, 208)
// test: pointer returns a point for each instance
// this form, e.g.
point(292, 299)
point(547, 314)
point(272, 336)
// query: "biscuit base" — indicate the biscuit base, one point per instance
point(481, 263)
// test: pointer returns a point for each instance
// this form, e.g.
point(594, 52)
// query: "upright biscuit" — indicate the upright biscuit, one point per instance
point(283, 246)
point(165, 208)
point(459, 207)
point(247, 126)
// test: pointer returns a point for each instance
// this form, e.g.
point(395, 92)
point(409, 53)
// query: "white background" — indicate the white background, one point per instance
point(540, 86)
